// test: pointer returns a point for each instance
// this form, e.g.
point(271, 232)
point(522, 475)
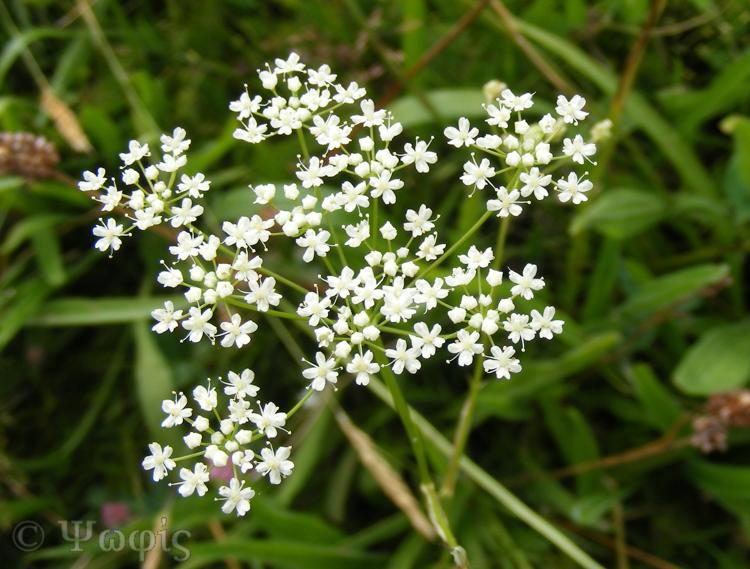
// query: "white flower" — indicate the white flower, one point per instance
point(159, 461)
point(289, 65)
point(136, 151)
point(322, 371)
point(109, 235)
point(578, 150)
point(176, 411)
point(476, 259)
point(419, 222)
point(205, 398)
point(518, 328)
point(275, 464)
point(506, 203)
point(382, 185)
point(544, 324)
point(419, 155)
point(517, 102)
point(236, 332)
point(363, 367)
point(199, 323)
point(269, 420)
point(314, 244)
point(263, 294)
point(252, 132)
point(167, 318)
point(502, 363)
point(195, 186)
point(466, 347)
point(404, 357)
point(571, 110)
point(535, 183)
point(175, 144)
point(92, 181)
point(236, 497)
point(241, 385)
point(170, 163)
point(573, 189)
point(499, 115)
point(245, 106)
point(526, 283)
point(185, 213)
point(429, 294)
point(193, 480)
point(426, 340)
point(464, 135)
point(477, 175)
point(314, 308)
point(370, 116)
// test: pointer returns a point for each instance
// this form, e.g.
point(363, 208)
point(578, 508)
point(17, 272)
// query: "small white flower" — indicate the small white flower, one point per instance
point(136, 151)
point(419, 155)
point(501, 362)
point(578, 150)
point(404, 357)
point(236, 497)
point(159, 461)
point(426, 341)
point(269, 420)
point(109, 235)
point(571, 110)
point(363, 367)
point(92, 181)
point(314, 244)
point(193, 480)
point(464, 135)
point(573, 189)
point(466, 347)
point(526, 283)
point(237, 332)
point(477, 175)
point(241, 385)
point(544, 323)
point(321, 372)
point(276, 464)
point(176, 411)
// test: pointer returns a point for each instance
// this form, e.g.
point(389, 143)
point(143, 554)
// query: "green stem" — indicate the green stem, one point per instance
point(473, 229)
point(463, 428)
point(281, 279)
point(499, 492)
point(300, 403)
point(502, 235)
point(415, 438)
point(303, 144)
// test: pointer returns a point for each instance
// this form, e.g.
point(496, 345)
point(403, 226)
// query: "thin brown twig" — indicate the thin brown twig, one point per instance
point(536, 58)
point(219, 535)
point(665, 443)
point(633, 61)
point(633, 552)
point(436, 49)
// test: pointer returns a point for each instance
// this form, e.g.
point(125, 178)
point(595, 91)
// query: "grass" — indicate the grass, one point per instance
point(584, 459)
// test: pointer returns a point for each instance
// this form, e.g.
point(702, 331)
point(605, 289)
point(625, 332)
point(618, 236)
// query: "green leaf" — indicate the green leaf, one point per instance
point(621, 213)
point(98, 311)
point(719, 361)
point(453, 103)
point(661, 408)
point(153, 381)
point(278, 553)
point(668, 290)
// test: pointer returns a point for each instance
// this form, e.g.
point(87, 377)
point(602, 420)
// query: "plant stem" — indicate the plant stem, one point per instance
point(473, 229)
point(502, 235)
point(493, 487)
point(415, 438)
point(463, 428)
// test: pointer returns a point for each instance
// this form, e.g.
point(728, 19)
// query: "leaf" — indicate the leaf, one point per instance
point(719, 361)
point(453, 103)
point(279, 553)
point(661, 408)
point(621, 213)
point(98, 311)
point(665, 291)
point(17, 44)
point(153, 380)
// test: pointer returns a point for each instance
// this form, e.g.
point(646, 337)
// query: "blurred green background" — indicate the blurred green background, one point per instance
point(651, 276)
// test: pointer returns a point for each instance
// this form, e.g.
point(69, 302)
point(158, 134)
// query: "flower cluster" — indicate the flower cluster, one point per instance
point(523, 152)
point(386, 296)
point(219, 441)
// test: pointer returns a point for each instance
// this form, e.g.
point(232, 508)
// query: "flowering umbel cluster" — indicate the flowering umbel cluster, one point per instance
point(222, 436)
point(385, 297)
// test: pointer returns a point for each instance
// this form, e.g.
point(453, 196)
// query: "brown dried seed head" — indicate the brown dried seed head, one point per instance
point(709, 434)
point(65, 121)
point(25, 154)
point(732, 407)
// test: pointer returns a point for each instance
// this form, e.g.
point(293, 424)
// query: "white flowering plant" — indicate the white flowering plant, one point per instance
point(391, 294)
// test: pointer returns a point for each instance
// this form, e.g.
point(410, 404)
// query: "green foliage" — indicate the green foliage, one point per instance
point(651, 275)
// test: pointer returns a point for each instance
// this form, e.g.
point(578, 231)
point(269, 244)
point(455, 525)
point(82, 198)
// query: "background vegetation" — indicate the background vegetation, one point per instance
point(597, 434)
